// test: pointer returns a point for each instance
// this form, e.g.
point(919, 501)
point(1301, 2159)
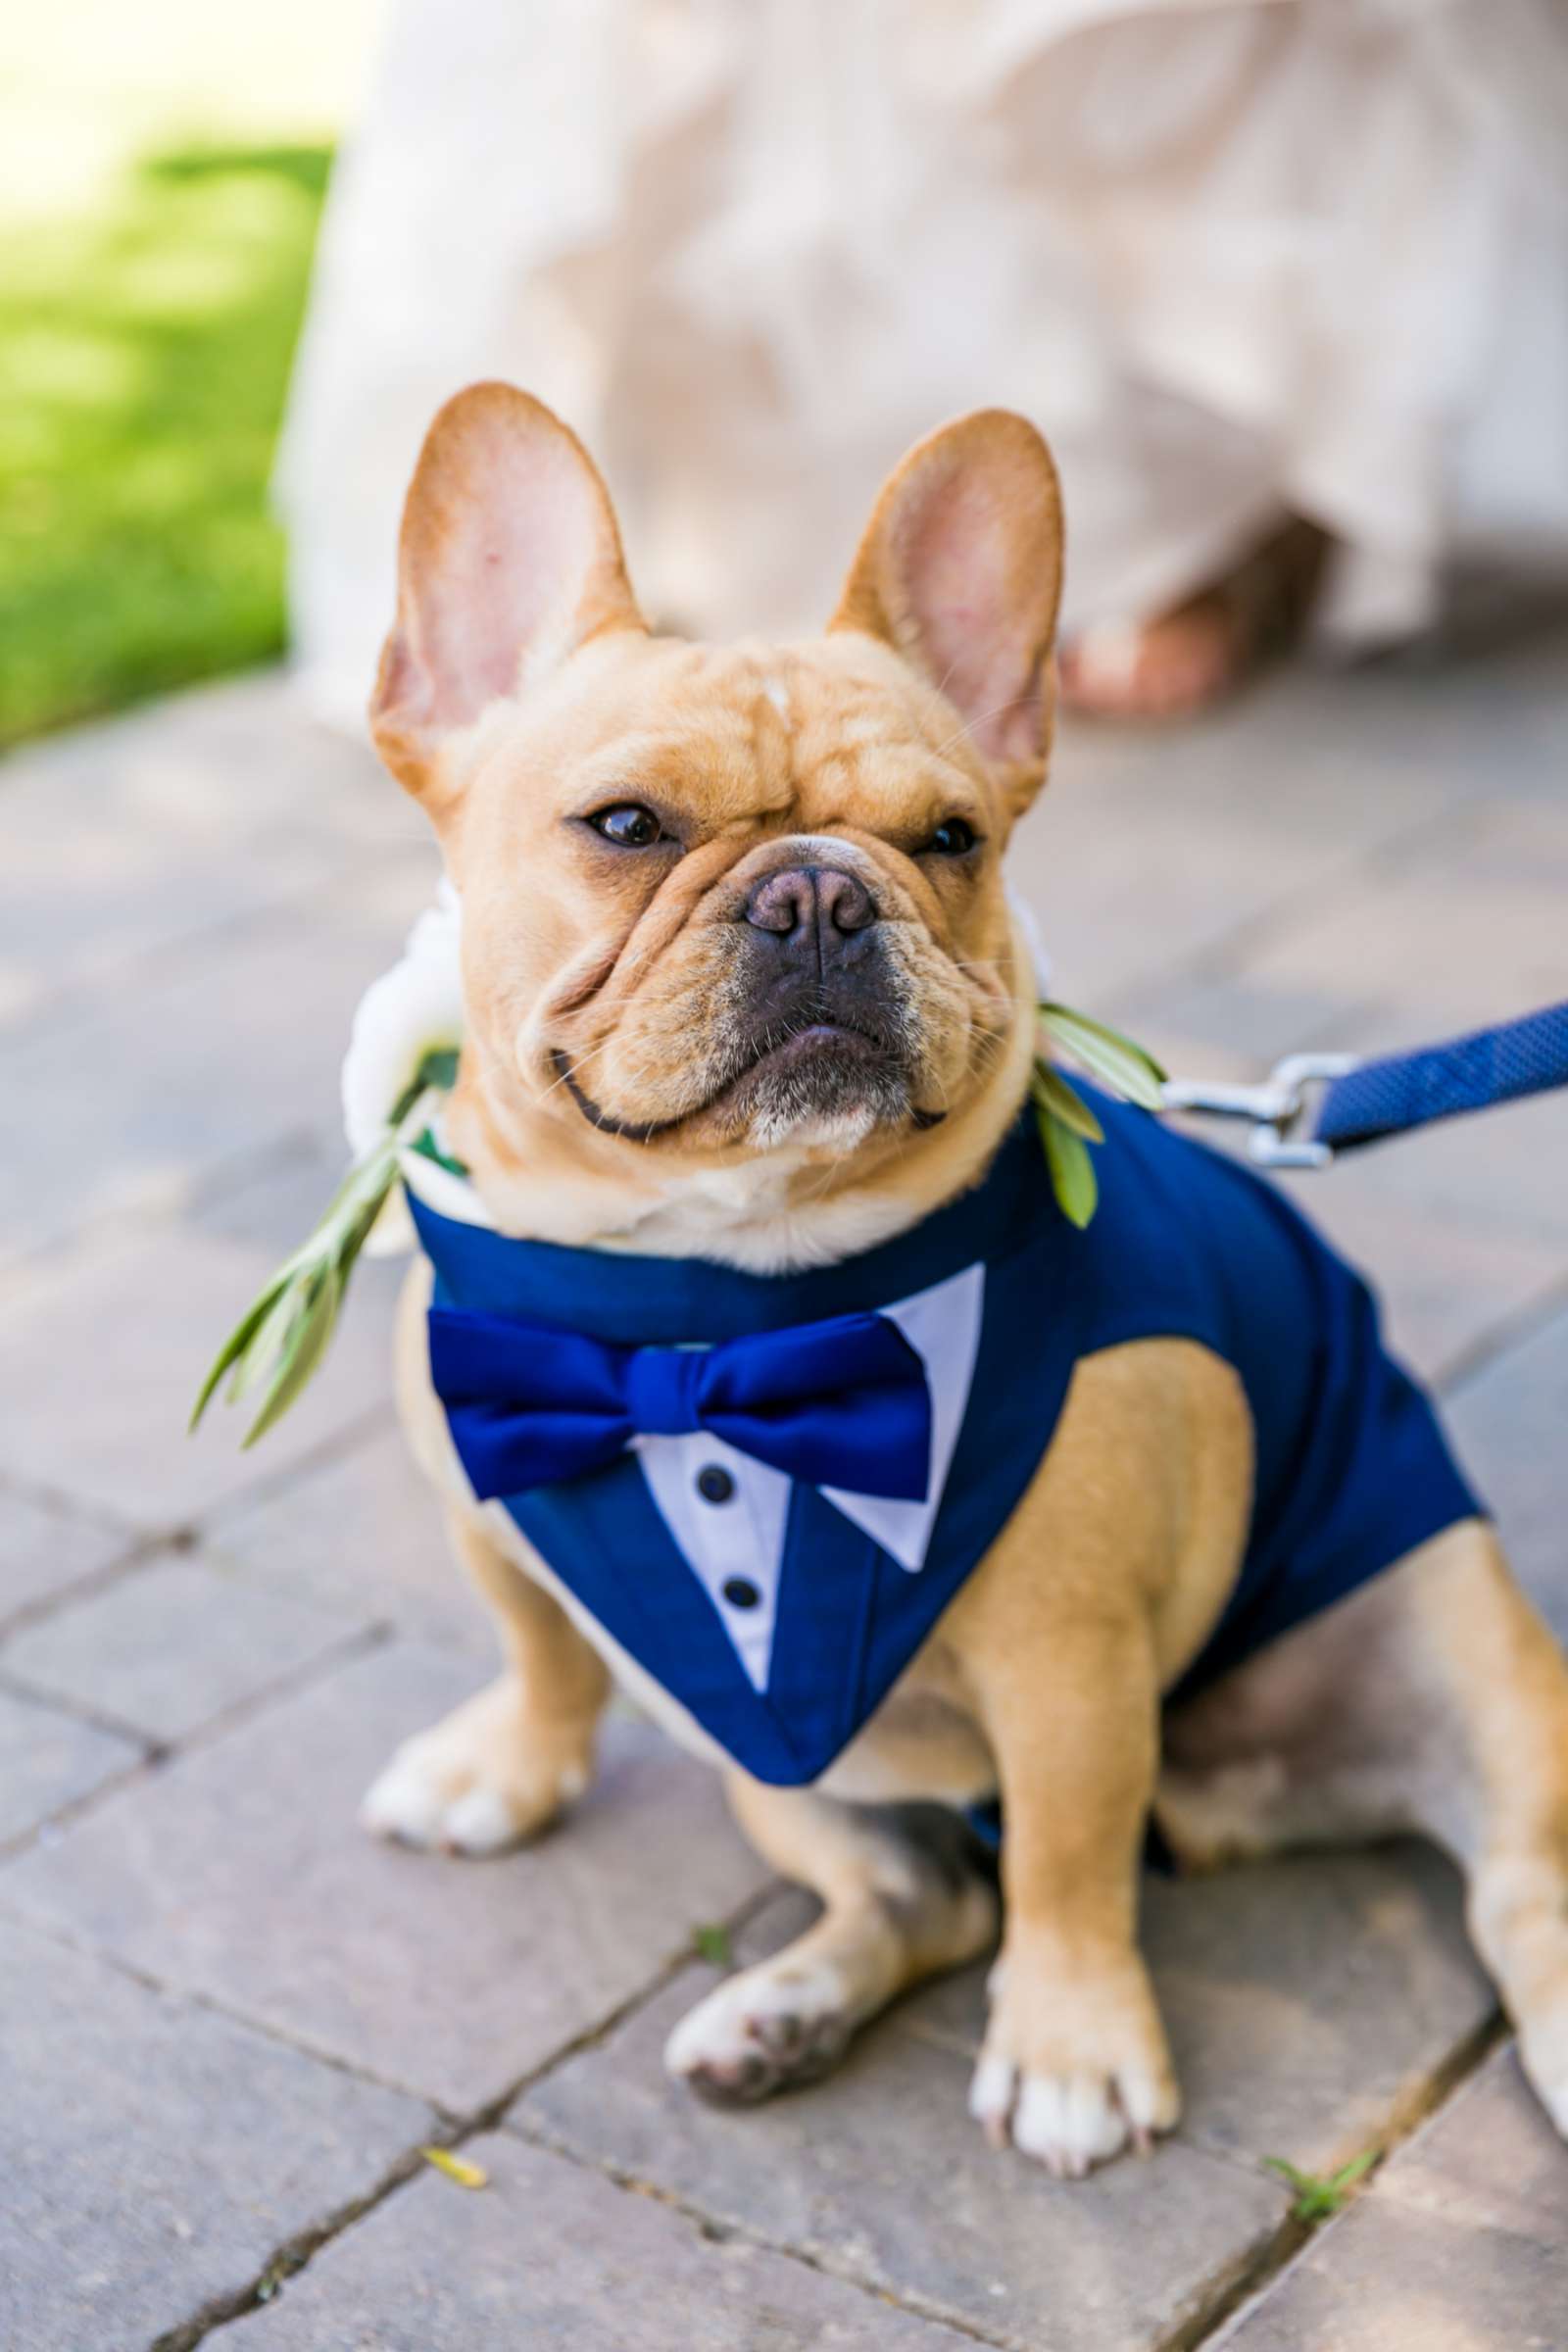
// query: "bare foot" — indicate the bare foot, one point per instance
point(1188, 658)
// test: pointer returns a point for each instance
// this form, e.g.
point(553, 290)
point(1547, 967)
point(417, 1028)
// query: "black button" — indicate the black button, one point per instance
point(714, 1485)
point(741, 1593)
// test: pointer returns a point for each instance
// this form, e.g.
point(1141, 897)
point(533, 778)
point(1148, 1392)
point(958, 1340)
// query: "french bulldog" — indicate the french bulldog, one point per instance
point(743, 991)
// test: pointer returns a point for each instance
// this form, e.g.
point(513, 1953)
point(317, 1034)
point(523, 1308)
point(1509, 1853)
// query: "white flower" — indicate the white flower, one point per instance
point(414, 1009)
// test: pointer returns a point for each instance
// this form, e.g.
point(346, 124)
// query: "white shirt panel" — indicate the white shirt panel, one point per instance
point(739, 1541)
point(943, 1326)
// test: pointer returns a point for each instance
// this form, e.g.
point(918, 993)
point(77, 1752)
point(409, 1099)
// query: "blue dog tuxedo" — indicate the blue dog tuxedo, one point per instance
point(767, 1489)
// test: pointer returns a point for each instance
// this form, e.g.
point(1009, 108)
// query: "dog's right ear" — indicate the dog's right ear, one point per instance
point(509, 560)
point(960, 570)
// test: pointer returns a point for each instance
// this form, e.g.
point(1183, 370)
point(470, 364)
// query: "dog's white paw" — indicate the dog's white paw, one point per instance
point(1073, 2074)
point(1544, 2053)
point(478, 1783)
point(772, 2025)
point(1068, 2123)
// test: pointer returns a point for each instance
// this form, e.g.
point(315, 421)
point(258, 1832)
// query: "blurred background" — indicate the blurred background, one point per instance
point(162, 171)
point(1287, 284)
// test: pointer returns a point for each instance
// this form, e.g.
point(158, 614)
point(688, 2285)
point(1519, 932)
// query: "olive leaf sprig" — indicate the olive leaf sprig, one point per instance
point(281, 1341)
point(283, 1338)
point(1067, 1125)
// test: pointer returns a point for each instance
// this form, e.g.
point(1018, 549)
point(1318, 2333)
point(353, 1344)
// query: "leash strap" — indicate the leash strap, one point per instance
point(1526, 1056)
point(1360, 1103)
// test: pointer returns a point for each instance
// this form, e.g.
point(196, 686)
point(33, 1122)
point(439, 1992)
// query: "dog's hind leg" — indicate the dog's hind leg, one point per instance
point(1435, 1699)
point(905, 1891)
point(500, 1767)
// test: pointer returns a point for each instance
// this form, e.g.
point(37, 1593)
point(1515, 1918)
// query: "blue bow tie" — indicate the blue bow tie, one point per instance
point(839, 1403)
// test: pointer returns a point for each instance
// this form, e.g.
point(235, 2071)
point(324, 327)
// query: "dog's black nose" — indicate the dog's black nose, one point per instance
point(816, 901)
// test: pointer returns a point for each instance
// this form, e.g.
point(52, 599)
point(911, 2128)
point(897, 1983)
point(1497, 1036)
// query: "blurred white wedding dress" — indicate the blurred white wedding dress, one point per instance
point(1237, 259)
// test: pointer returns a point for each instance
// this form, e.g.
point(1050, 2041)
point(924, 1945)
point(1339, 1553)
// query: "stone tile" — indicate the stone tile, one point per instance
point(183, 817)
point(170, 1645)
point(879, 2172)
point(552, 2253)
point(1233, 1024)
point(102, 1353)
point(1509, 1420)
point(1142, 856)
point(1386, 2279)
point(240, 1872)
point(1490, 2157)
point(363, 1534)
point(157, 2155)
point(1309, 2001)
point(1462, 928)
point(46, 1550)
point(205, 1058)
point(48, 1759)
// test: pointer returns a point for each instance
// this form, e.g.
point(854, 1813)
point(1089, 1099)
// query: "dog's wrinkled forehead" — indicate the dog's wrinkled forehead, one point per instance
point(728, 744)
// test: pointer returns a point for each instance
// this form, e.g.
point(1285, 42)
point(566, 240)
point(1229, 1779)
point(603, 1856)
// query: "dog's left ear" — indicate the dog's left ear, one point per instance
point(509, 560)
point(960, 571)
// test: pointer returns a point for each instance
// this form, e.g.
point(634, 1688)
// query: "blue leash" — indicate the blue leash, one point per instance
point(1314, 1105)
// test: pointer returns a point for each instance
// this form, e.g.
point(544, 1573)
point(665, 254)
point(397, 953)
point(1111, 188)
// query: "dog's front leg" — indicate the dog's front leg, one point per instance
point(903, 1896)
point(500, 1766)
point(1075, 2065)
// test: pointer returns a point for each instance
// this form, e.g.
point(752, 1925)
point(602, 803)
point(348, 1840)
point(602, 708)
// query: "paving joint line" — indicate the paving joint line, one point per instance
point(82, 1711)
point(453, 2127)
point(158, 1756)
point(332, 1446)
point(67, 1004)
point(53, 1824)
point(1500, 1338)
point(1223, 956)
point(719, 2231)
point(187, 1533)
point(194, 1997)
point(88, 1587)
point(1276, 2258)
point(193, 1195)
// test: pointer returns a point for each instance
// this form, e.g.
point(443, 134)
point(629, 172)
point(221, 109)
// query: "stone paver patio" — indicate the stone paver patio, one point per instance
point(228, 2022)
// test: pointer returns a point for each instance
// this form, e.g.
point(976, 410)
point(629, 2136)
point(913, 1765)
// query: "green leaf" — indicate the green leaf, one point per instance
point(236, 1344)
point(712, 1945)
point(1052, 1093)
point(1072, 1170)
point(302, 1348)
point(1318, 2199)
point(282, 1337)
point(256, 1366)
point(1117, 1061)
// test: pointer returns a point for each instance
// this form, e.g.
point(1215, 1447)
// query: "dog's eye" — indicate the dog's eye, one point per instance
point(953, 839)
point(629, 825)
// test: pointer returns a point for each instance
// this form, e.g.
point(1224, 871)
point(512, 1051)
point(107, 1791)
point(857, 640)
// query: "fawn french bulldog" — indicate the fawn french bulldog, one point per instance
point(760, 1373)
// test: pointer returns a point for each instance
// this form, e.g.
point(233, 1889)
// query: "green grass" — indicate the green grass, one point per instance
point(144, 353)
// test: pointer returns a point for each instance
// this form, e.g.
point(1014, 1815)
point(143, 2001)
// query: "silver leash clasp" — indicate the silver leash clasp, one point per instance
point(1277, 1109)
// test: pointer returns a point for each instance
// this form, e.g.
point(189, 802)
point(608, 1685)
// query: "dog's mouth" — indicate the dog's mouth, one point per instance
point(819, 1070)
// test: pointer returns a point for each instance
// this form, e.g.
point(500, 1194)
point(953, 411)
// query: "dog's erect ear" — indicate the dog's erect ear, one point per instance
point(509, 559)
point(960, 570)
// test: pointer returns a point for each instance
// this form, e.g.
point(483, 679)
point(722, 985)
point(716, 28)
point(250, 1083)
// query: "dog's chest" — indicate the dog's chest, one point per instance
point(774, 1615)
point(921, 1742)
